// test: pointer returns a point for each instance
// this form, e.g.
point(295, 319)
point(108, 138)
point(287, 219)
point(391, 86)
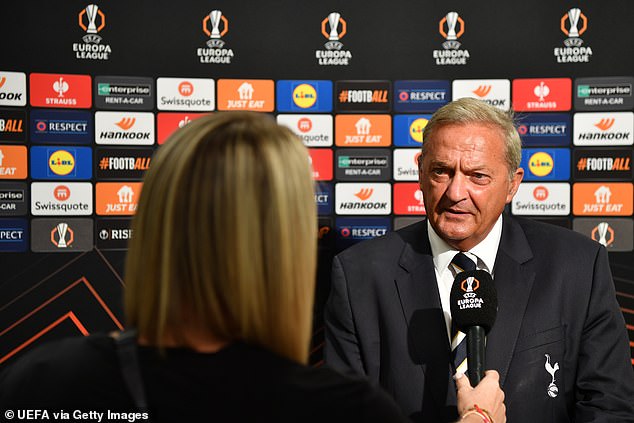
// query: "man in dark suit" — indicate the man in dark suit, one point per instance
point(559, 341)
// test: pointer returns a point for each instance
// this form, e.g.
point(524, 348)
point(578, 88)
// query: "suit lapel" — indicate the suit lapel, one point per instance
point(514, 278)
point(420, 302)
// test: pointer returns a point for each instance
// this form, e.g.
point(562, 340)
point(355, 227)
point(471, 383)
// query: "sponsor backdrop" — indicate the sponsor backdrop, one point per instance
point(90, 89)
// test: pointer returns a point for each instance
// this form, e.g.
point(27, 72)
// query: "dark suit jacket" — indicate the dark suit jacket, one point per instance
point(556, 296)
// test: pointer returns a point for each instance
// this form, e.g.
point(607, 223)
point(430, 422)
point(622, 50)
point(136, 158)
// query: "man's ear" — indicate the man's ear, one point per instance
point(516, 180)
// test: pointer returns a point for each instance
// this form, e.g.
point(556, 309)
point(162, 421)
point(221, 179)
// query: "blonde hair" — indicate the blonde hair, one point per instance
point(225, 236)
point(470, 110)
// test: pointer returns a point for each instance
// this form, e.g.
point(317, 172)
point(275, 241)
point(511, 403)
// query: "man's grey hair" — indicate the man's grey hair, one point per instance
point(470, 110)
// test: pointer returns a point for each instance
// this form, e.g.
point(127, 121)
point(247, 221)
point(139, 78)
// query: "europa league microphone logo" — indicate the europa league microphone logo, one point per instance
point(91, 12)
point(215, 18)
point(574, 16)
point(603, 234)
point(452, 19)
point(333, 20)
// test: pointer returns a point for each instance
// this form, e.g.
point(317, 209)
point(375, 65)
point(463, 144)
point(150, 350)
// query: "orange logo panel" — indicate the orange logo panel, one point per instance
point(602, 199)
point(363, 130)
point(257, 95)
point(13, 162)
point(117, 198)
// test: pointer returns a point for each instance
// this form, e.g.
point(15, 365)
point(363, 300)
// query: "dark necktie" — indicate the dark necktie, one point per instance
point(460, 263)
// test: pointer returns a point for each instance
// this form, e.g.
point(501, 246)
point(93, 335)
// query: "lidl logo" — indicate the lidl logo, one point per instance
point(61, 162)
point(408, 130)
point(546, 164)
point(304, 96)
point(416, 129)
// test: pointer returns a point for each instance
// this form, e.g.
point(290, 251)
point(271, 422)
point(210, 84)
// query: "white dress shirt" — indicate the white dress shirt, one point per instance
point(483, 255)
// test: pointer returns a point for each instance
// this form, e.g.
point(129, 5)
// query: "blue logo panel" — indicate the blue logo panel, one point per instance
point(421, 96)
point(61, 127)
point(304, 96)
point(61, 163)
point(546, 164)
point(323, 198)
point(349, 231)
point(545, 129)
point(408, 130)
point(14, 235)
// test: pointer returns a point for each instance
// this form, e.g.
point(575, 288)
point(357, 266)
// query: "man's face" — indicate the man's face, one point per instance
point(465, 182)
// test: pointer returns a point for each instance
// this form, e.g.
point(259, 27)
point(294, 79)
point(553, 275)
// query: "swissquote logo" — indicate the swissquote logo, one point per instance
point(12, 88)
point(194, 94)
point(334, 27)
point(363, 198)
point(451, 27)
point(313, 130)
point(117, 128)
point(496, 92)
point(573, 24)
point(537, 199)
point(406, 164)
point(92, 20)
point(603, 129)
point(61, 199)
point(215, 26)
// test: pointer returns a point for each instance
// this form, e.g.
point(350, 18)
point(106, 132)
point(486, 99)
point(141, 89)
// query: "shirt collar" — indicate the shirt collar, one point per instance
point(485, 251)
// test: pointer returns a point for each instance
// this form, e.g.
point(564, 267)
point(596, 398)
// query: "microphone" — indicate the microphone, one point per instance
point(474, 305)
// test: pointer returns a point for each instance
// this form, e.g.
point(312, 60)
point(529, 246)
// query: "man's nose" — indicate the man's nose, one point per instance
point(457, 188)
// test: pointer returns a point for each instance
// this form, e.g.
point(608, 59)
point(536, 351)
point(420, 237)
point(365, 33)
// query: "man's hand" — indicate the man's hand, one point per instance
point(487, 395)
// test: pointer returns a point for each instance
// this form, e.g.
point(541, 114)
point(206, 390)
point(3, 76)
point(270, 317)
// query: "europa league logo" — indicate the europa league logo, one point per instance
point(452, 19)
point(91, 12)
point(62, 230)
point(333, 20)
point(214, 19)
point(574, 16)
